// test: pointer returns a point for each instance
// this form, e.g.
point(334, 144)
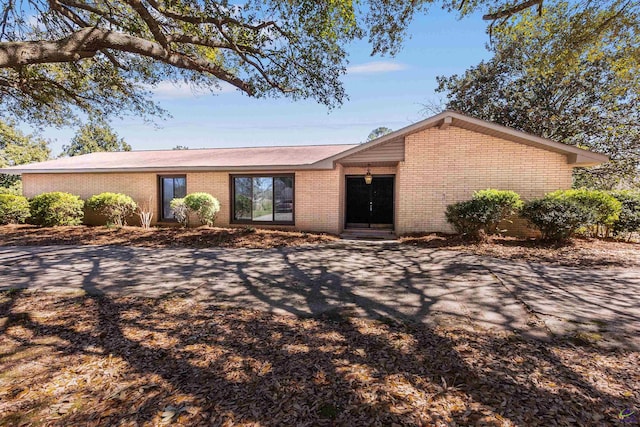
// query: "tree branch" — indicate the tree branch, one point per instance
point(67, 13)
point(218, 21)
point(506, 13)
point(88, 41)
point(150, 21)
point(255, 64)
point(5, 17)
point(114, 60)
point(200, 41)
point(90, 9)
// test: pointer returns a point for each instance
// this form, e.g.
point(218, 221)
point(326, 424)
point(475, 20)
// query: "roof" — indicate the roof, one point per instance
point(287, 157)
point(254, 158)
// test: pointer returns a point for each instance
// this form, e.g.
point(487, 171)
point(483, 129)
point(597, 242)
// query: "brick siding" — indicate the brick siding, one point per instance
point(446, 166)
point(441, 167)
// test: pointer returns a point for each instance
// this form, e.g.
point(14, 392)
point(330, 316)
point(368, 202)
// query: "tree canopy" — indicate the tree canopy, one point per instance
point(16, 148)
point(378, 132)
point(544, 80)
point(102, 57)
point(94, 137)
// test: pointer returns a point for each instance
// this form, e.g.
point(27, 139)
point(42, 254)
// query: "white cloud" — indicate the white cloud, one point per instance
point(376, 67)
point(170, 90)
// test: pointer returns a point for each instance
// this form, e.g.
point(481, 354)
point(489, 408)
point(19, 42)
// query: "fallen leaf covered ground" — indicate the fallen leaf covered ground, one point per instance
point(200, 237)
point(69, 359)
point(576, 252)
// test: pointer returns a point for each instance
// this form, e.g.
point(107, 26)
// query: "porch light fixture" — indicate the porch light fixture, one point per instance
point(368, 178)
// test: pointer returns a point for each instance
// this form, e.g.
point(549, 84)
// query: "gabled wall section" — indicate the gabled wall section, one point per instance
point(389, 152)
point(444, 166)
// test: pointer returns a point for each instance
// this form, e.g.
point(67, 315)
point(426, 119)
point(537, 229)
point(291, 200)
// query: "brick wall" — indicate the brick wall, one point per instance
point(317, 192)
point(318, 200)
point(137, 185)
point(441, 167)
point(446, 166)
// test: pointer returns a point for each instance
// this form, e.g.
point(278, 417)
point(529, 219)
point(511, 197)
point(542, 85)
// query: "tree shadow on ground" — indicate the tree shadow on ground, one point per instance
point(215, 366)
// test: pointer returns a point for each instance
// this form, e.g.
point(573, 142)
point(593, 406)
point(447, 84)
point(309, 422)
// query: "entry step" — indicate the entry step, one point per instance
point(368, 234)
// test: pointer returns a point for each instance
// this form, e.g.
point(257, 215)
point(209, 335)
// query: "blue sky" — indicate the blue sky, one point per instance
point(383, 91)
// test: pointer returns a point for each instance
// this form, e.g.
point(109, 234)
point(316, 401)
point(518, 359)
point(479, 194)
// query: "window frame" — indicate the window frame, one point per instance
point(232, 193)
point(161, 217)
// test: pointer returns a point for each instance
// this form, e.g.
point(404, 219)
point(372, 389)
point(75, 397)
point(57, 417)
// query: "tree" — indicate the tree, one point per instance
point(180, 147)
point(94, 137)
point(59, 58)
point(378, 132)
point(587, 97)
point(16, 148)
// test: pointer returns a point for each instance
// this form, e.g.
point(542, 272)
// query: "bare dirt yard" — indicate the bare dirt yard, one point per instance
point(577, 252)
point(71, 359)
point(201, 237)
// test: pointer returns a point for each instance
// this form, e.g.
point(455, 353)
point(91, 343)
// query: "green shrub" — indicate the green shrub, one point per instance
point(506, 204)
point(603, 208)
point(13, 209)
point(15, 189)
point(115, 207)
point(204, 205)
point(470, 217)
point(482, 214)
point(556, 218)
point(50, 209)
point(629, 218)
point(180, 211)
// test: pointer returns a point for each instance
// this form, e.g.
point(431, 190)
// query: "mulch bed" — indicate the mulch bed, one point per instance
point(78, 360)
point(200, 237)
point(576, 252)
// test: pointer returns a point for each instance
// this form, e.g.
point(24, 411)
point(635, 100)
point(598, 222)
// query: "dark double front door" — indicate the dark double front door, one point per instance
point(370, 205)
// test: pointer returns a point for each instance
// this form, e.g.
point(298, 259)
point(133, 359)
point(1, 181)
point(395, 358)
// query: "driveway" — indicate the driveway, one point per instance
point(378, 280)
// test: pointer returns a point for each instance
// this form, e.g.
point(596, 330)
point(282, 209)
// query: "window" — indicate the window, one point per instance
point(262, 199)
point(171, 187)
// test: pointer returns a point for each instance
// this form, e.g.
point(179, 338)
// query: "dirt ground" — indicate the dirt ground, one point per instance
point(78, 360)
point(201, 237)
point(576, 252)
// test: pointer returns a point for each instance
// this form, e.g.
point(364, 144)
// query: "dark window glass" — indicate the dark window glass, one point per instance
point(242, 202)
point(283, 198)
point(172, 187)
point(263, 199)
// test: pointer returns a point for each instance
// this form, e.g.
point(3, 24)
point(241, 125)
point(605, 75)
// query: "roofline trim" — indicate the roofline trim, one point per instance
point(446, 117)
point(316, 166)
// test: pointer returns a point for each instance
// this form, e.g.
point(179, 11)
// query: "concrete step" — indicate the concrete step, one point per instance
point(368, 234)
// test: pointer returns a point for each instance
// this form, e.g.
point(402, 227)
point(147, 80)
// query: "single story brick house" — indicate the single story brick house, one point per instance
point(415, 173)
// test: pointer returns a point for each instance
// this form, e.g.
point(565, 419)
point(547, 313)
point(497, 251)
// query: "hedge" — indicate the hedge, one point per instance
point(115, 207)
point(482, 214)
point(13, 209)
point(629, 219)
point(603, 208)
point(204, 205)
point(57, 208)
point(556, 218)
